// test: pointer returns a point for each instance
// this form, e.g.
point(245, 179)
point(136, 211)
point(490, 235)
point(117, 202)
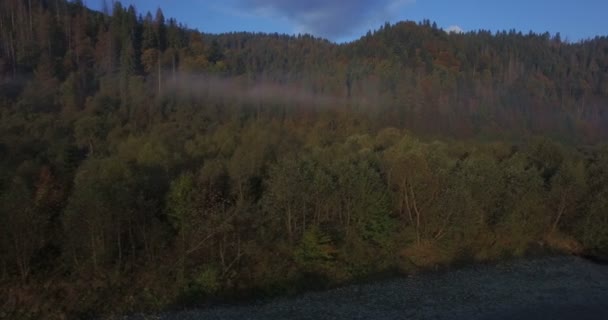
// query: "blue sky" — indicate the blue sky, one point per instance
point(345, 20)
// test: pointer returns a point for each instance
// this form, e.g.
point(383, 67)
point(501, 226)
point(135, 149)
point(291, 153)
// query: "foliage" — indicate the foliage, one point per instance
point(315, 252)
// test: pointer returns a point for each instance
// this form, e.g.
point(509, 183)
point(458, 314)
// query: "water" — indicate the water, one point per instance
point(547, 288)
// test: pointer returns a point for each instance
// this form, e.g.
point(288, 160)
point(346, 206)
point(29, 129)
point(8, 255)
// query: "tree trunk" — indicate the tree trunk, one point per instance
point(348, 218)
point(289, 224)
point(560, 213)
point(407, 201)
point(236, 259)
point(174, 68)
point(131, 237)
point(119, 246)
point(415, 206)
point(159, 75)
point(4, 270)
point(221, 251)
point(91, 150)
point(94, 249)
point(29, 3)
point(182, 259)
point(22, 264)
point(147, 246)
point(446, 221)
point(304, 219)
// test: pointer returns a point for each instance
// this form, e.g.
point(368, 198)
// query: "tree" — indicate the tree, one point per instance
point(315, 252)
point(593, 232)
point(525, 215)
point(420, 183)
point(568, 186)
point(365, 200)
point(161, 30)
point(89, 132)
point(70, 95)
point(99, 215)
point(40, 95)
point(182, 211)
point(484, 180)
point(197, 215)
point(22, 227)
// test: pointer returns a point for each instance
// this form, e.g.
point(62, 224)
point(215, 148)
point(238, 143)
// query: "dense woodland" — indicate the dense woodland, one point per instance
point(145, 165)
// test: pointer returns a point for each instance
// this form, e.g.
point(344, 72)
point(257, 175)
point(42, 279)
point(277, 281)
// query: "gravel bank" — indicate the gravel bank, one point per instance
point(547, 288)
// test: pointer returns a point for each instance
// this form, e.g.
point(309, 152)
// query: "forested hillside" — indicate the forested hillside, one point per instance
point(144, 164)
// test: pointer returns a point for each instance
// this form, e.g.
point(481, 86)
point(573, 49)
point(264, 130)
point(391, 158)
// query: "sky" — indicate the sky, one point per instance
point(347, 20)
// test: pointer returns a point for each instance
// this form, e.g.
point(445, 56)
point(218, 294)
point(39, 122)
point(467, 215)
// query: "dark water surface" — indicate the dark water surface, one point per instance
point(546, 288)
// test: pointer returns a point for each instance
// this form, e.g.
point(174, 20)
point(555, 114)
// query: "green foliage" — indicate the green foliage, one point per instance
point(484, 182)
point(207, 281)
point(365, 201)
point(88, 131)
point(99, 211)
point(181, 202)
point(315, 253)
point(593, 231)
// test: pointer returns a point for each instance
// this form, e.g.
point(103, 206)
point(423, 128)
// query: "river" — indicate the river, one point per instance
point(543, 288)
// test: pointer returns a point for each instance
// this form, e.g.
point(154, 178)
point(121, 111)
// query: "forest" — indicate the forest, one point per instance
point(145, 165)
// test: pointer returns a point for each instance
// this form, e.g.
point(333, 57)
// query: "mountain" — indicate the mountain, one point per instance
point(415, 75)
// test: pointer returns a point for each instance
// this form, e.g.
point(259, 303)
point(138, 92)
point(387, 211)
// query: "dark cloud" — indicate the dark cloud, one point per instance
point(332, 19)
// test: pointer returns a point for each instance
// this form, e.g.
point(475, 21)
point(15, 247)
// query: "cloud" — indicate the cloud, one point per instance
point(454, 29)
point(333, 19)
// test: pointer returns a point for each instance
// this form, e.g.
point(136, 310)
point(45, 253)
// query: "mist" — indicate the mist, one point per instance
point(258, 92)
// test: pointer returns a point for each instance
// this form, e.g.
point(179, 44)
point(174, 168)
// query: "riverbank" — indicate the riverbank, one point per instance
point(112, 297)
point(549, 287)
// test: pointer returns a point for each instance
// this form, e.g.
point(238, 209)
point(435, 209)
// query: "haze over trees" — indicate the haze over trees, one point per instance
point(144, 164)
